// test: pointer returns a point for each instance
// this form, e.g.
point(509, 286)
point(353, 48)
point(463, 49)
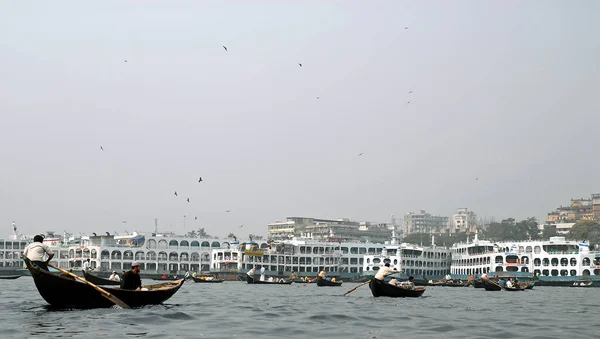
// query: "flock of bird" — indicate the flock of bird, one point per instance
point(200, 178)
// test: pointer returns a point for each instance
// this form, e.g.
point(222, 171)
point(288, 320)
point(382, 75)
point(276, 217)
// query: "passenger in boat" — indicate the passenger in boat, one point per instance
point(509, 283)
point(114, 277)
point(322, 274)
point(164, 276)
point(333, 279)
point(131, 279)
point(385, 270)
point(36, 251)
point(194, 274)
point(262, 273)
point(394, 282)
point(409, 283)
point(270, 279)
point(86, 265)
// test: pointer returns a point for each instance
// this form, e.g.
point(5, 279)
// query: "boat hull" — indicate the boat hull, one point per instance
point(9, 277)
point(63, 291)
point(490, 286)
point(325, 282)
point(382, 289)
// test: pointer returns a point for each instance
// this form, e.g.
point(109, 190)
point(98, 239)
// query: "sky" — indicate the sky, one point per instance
point(488, 105)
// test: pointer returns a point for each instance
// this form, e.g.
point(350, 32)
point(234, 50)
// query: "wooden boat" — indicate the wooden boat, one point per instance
point(205, 280)
point(251, 280)
point(9, 277)
point(325, 282)
point(519, 287)
point(490, 285)
point(99, 281)
point(478, 283)
point(382, 289)
point(170, 278)
point(63, 291)
point(455, 283)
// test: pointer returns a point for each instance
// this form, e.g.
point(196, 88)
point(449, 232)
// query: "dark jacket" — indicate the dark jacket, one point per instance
point(131, 281)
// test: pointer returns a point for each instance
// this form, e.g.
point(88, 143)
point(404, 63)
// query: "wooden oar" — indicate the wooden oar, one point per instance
point(352, 289)
point(104, 293)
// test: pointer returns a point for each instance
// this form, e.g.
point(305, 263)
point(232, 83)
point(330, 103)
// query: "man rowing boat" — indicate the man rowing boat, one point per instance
point(36, 251)
point(385, 270)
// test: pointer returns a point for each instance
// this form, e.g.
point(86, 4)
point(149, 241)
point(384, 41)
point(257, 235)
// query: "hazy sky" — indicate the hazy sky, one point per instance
point(503, 91)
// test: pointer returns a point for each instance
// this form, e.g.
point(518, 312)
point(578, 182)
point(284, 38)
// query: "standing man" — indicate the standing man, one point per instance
point(322, 274)
point(86, 265)
point(251, 273)
point(131, 279)
point(36, 251)
point(385, 270)
point(262, 273)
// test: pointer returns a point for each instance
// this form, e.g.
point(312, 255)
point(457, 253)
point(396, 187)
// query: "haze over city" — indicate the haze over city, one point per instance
point(329, 109)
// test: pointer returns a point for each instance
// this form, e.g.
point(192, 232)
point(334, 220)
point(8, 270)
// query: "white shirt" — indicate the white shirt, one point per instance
point(86, 266)
point(36, 251)
point(262, 270)
point(383, 271)
point(114, 277)
point(251, 273)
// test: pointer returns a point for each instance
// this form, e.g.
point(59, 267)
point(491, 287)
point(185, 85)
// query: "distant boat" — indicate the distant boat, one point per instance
point(11, 277)
point(63, 291)
point(251, 280)
point(207, 279)
point(100, 281)
point(325, 282)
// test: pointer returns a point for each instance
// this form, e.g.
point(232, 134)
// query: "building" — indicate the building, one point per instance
point(423, 222)
point(561, 228)
point(578, 209)
point(463, 221)
point(330, 230)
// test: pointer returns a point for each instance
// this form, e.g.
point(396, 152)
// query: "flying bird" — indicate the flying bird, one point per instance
point(188, 199)
point(476, 178)
point(225, 48)
point(125, 60)
point(300, 64)
point(406, 27)
point(409, 92)
point(102, 148)
point(359, 154)
point(195, 218)
point(318, 97)
point(227, 211)
point(242, 225)
point(200, 179)
point(176, 193)
point(408, 102)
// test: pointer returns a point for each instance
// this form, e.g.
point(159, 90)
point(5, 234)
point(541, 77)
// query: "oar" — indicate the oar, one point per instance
point(104, 293)
point(495, 283)
point(352, 289)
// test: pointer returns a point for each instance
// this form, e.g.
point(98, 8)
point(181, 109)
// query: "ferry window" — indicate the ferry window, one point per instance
point(386, 261)
point(301, 269)
point(573, 272)
point(499, 259)
point(586, 272)
point(354, 250)
point(376, 260)
point(586, 261)
point(596, 261)
point(360, 261)
point(554, 273)
point(353, 261)
point(353, 270)
point(537, 272)
point(564, 262)
point(344, 250)
point(537, 249)
point(537, 262)
point(499, 269)
point(371, 250)
point(546, 262)
point(554, 261)
point(524, 269)
point(204, 244)
point(184, 243)
point(195, 244)
point(528, 249)
point(395, 261)
point(512, 269)
point(573, 262)
point(362, 250)
point(597, 271)
point(546, 272)
point(375, 268)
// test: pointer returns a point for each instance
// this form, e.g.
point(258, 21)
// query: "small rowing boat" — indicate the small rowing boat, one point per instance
point(382, 289)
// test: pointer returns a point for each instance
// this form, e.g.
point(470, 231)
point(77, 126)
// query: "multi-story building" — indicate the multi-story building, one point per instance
point(578, 209)
point(463, 221)
point(423, 222)
point(329, 230)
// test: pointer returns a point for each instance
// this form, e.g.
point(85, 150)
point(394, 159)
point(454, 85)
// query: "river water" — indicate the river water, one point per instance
point(239, 310)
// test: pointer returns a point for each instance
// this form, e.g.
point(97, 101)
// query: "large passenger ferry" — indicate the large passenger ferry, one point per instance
point(551, 260)
point(421, 262)
point(304, 257)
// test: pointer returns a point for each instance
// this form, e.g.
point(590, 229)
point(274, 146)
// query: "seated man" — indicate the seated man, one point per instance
point(131, 279)
point(408, 284)
point(114, 277)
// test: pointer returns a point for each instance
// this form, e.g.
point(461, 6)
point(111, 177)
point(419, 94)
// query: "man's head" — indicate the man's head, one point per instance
point(411, 278)
point(135, 267)
point(387, 264)
point(88, 260)
point(114, 272)
point(38, 238)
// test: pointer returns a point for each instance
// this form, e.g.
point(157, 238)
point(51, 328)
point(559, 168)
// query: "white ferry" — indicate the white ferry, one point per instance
point(304, 257)
point(421, 262)
point(555, 259)
point(156, 253)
